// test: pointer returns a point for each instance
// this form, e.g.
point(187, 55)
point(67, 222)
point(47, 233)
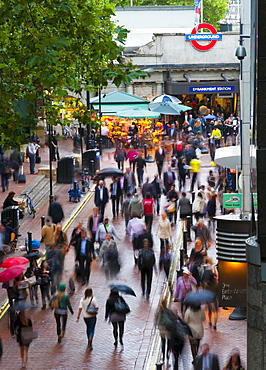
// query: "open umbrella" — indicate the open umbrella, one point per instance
point(167, 98)
point(13, 261)
point(199, 297)
point(137, 113)
point(210, 116)
point(122, 289)
point(230, 156)
point(168, 108)
point(11, 273)
point(109, 172)
point(33, 255)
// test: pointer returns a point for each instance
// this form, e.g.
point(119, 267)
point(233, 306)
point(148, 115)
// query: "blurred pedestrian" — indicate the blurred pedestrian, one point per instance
point(198, 206)
point(135, 206)
point(132, 155)
point(110, 257)
point(55, 211)
point(164, 231)
point(211, 211)
point(195, 260)
point(44, 281)
point(31, 154)
point(184, 284)
point(203, 233)
point(156, 192)
point(54, 146)
point(135, 227)
point(22, 322)
point(76, 236)
point(89, 305)
point(60, 240)
point(172, 198)
point(146, 263)
point(195, 165)
point(182, 172)
point(104, 228)
point(234, 361)
point(120, 156)
point(125, 208)
point(55, 260)
point(131, 180)
point(207, 360)
point(116, 318)
point(141, 164)
point(159, 159)
point(115, 193)
point(168, 179)
point(93, 222)
point(184, 207)
point(194, 317)
point(15, 163)
point(165, 260)
point(32, 273)
point(60, 303)
point(146, 188)
point(84, 257)
point(148, 210)
point(48, 231)
point(101, 197)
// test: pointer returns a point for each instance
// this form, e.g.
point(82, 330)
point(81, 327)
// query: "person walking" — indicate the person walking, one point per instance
point(135, 206)
point(116, 318)
point(184, 284)
point(156, 192)
point(195, 165)
point(31, 154)
point(89, 305)
point(159, 159)
point(194, 317)
point(209, 360)
point(32, 273)
point(130, 180)
point(203, 233)
point(115, 192)
point(55, 211)
point(141, 164)
point(234, 361)
point(125, 208)
point(15, 163)
point(182, 172)
point(184, 207)
point(60, 303)
point(84, 256)
point(76, 236)
point(146, 262)
point(198, 206)
point(44, 281)
point(93, 222)
point(22, 322)
point(120, 156)
point(104, 228)
point(148, 210)
point(135, 227)
point(48, 231)
point(101, 197)
point(164, 231)
point(168, 179)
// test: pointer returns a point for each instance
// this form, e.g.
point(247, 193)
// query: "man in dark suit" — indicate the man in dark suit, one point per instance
point(84, 256)
point(168, 179)
point(206, 360)
point(101, 197)
point(159, 159)
point(93, 222)
point(172, 132)
point(115, 193)
point(156, 192)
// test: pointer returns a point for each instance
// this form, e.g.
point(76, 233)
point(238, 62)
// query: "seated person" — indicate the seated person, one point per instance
point(10, 233)
point(9, 201)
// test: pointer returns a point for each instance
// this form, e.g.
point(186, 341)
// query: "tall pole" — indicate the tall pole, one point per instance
point(245, 106)
point(100, 117)
point(50, 164)
point(89, 139)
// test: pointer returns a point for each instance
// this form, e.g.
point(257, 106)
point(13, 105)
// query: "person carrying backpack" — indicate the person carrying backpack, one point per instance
point(146, 262)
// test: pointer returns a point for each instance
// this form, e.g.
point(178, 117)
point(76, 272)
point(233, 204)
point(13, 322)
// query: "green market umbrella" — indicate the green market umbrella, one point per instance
point(137, 114)
point(168, 108)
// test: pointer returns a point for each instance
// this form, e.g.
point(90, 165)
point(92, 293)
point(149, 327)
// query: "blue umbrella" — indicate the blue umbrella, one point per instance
point(137, 113)
point(166, 98)
point(210, 116)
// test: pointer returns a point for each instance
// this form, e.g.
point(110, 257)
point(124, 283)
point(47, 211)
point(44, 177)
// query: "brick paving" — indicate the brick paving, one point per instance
point(72, 353)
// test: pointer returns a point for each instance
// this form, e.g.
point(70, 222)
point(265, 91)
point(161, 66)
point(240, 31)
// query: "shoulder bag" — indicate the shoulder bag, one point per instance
point(91, 310)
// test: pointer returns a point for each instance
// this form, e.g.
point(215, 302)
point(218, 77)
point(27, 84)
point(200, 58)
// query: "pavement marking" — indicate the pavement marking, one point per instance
point(5, 304)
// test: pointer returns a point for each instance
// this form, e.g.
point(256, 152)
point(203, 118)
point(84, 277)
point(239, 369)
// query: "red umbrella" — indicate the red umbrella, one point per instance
point(14, 261)
point(11, 273)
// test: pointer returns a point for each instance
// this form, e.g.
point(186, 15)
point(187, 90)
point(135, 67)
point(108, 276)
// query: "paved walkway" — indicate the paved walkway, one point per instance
point(72, 353)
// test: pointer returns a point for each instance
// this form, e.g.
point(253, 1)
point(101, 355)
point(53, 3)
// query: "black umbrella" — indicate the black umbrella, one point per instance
point(122, 289)
point(33, 255)
point(199, 297)
point(108, 172)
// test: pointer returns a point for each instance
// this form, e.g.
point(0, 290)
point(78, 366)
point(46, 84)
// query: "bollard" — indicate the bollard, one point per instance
point(159, 365)
point(145, 151)
point(75, 192)
point(182, 256)
point(173, 147)
point(42, 221)
point(92, 167)
point(193, 196)
point(185, 241)
point(188, 228)
point(29, 242)
point(83, 189)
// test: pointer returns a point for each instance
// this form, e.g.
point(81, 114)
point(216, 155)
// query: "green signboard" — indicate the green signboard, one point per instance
point(232, 200)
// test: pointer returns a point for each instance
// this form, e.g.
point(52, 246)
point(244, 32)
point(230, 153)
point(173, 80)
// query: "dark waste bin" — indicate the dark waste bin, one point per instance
point(12, 213)
point(66, 170)
point(91, 160)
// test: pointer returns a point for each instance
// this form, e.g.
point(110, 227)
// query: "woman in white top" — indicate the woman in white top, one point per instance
point(164, 231)
point(89, 318)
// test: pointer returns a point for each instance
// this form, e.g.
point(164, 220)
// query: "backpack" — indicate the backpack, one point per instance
point(208, 276)
point(146, 259)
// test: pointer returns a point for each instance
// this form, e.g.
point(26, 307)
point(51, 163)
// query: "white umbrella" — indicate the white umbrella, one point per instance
point(230, 157)
point(166, 98)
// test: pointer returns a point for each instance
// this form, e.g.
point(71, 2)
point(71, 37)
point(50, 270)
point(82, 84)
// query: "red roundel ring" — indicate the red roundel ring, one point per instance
point(199, 46)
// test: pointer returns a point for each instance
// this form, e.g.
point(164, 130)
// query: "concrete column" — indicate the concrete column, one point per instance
point(129, 89)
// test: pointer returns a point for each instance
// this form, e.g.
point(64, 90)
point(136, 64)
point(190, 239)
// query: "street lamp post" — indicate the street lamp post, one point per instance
point(51, 197)
point(90, 144)
point(100, 116)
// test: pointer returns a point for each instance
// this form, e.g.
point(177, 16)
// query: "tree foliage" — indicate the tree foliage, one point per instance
point(213, 10)
point(50, 46)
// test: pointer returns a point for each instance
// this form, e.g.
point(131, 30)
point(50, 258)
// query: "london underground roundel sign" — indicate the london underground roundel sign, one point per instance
point(213, 37)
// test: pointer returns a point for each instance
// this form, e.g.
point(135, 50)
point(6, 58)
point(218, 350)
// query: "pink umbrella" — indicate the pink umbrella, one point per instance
point(14, 261)
point(11, 273)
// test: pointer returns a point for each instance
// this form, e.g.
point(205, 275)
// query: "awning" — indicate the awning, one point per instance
point(112, 109)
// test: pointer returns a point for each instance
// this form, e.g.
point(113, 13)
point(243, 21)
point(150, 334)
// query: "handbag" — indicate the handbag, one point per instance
point(27, 335)
point(32, 280)
point(91, 310)
point(121, 307)
point(54, 303)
